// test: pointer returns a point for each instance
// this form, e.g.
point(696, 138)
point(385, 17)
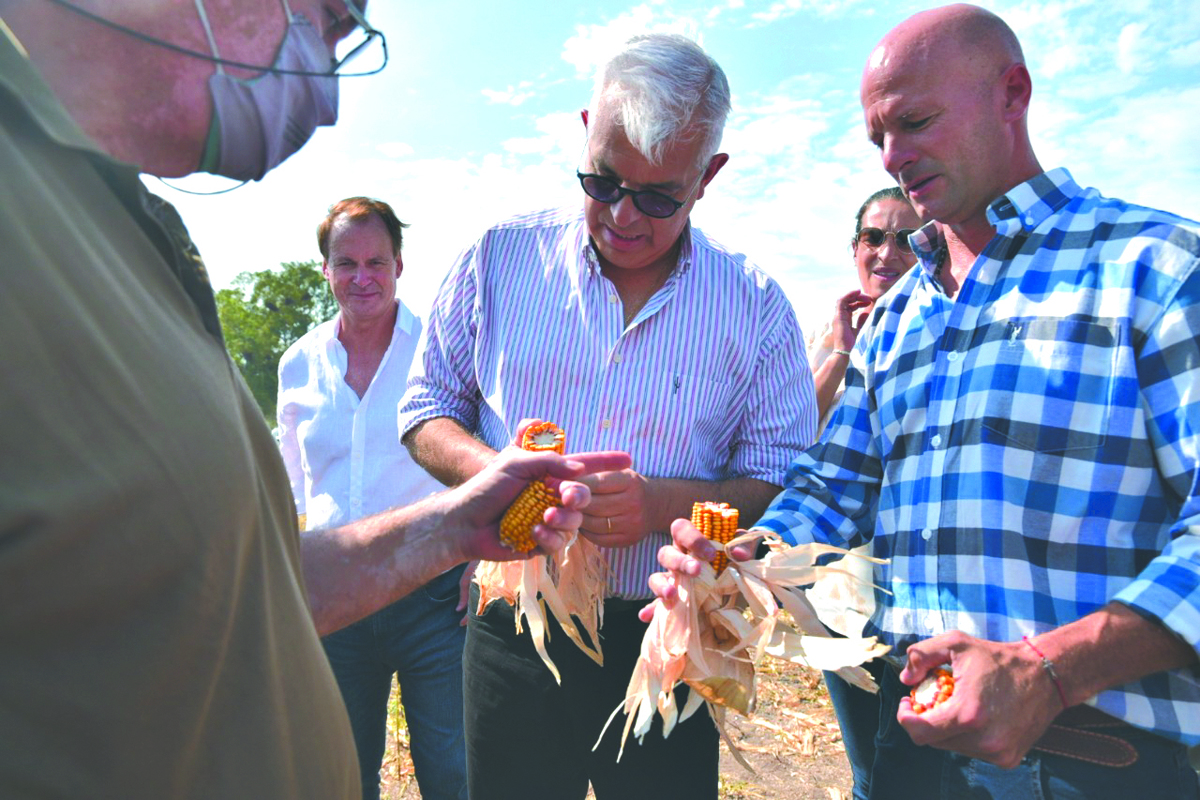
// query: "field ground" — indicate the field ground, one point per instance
point(793, 743)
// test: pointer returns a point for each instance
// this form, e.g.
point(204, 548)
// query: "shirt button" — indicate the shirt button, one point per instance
point(926, 534)
point(612, 298)
point(606, 424)
point(953, 355)
point(936, 441)
point(616, 358)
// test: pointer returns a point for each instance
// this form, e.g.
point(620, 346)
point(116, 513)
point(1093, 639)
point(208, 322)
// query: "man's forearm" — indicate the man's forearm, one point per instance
point(447, 451)
point(361, 567)
point(1111, 647)
point(670, 499)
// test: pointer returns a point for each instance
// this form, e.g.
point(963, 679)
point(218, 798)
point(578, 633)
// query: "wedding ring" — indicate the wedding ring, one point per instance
point(609, 520)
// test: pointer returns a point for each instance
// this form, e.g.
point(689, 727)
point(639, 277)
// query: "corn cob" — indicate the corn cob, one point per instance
point(936, 689)
point(544, 436)
point(718, 522)
point(516, 528)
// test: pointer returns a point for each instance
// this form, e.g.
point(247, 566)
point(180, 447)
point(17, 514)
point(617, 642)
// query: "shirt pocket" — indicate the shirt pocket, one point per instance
point(688, 422)
point(1052, 385)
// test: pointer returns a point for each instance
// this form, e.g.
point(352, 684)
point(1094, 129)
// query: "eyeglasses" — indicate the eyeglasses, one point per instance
point(875, 237)
point(347, 51)
point(649, 202)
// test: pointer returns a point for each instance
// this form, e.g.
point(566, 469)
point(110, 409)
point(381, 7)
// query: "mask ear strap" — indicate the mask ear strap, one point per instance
point(212, 40)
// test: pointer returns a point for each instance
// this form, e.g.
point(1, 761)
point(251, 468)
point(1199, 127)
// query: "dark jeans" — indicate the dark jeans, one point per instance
point(858, 715)
point(418, 638)
point(904, 771)
point(531, 739)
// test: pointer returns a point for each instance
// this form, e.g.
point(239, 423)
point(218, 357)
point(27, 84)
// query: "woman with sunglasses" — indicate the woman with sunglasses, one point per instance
point(882, 255)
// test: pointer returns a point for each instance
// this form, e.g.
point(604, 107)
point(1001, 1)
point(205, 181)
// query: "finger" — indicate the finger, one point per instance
point(676, 560)
point(574, 495)
point(581, 465)
point(923, 657)
point(646, 612)
point(663, 587)
point(687, 538)
point(744, 551)
point(566, 520)
point(549, 539)
point(608, 482)
point(522, 426)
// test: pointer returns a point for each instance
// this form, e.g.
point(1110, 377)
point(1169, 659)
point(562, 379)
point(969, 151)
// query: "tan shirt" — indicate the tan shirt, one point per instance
point(154, 635)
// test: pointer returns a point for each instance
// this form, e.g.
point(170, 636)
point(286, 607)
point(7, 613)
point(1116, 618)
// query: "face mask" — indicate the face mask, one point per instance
point(259, 122)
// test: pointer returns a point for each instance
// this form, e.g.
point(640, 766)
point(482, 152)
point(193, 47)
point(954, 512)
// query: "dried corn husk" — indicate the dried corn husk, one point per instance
point(721, 627)
point(570, 583)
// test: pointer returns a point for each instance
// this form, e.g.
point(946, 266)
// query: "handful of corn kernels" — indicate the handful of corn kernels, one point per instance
point(936, 689)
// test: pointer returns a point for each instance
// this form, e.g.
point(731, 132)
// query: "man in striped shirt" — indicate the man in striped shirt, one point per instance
point(1020, 435)
point(630, 329)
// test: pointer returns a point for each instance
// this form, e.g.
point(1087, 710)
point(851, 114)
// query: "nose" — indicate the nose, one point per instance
point(624, 212)
point(362, 275)
point(889, 250)
point(896, 154)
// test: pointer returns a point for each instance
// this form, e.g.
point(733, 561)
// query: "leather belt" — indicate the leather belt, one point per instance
point(1078, 733)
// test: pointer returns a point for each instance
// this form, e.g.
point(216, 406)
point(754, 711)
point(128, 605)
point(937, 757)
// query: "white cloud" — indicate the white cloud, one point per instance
point(593, 44)
point(1186, 55)
point(1132, 48)
point(512, 96)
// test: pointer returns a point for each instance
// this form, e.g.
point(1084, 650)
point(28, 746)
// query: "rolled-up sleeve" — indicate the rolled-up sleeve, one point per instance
point(442, 382)
point(1168, 589)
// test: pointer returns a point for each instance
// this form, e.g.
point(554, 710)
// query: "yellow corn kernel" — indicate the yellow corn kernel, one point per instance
point(719, 523)
point(516, 528)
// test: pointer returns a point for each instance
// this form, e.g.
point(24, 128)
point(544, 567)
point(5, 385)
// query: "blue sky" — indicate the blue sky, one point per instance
point(477, 117)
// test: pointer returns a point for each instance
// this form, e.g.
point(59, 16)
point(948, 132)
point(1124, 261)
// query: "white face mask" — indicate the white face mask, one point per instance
point(259, 122)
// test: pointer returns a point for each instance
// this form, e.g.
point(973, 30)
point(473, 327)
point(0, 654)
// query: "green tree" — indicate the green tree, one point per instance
point(262, 313)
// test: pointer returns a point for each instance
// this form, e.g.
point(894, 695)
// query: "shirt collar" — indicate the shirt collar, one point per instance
point(404, 324)
point(590, 262)
point(1023, 207)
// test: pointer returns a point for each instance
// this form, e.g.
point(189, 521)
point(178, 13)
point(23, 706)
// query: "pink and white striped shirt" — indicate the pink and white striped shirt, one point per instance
point(709, 382)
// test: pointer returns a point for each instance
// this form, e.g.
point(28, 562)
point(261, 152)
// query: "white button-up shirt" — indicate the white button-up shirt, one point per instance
point(343, 453)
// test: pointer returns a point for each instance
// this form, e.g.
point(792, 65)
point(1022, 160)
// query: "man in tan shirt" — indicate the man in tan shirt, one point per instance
point(157, 603)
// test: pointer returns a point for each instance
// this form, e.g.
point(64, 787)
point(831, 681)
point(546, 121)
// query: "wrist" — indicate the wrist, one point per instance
point(1049, 669)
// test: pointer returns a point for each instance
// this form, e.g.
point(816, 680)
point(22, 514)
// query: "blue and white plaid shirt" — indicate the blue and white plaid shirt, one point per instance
point(1029, 451)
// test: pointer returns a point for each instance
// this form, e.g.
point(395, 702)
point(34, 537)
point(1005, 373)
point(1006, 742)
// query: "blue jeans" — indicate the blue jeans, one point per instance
point(904, 771)
point(418, 639)
point(858, 716)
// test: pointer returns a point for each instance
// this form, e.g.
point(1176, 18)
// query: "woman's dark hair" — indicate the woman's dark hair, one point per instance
point(890, 193)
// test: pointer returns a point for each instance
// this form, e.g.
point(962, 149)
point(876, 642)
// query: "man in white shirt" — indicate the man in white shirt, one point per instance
point(339, 386)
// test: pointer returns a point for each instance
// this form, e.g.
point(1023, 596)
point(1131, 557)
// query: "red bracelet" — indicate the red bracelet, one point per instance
point(1048, 665)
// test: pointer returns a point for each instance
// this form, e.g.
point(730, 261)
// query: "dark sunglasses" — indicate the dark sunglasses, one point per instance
point(875, 237)
point(649, 202)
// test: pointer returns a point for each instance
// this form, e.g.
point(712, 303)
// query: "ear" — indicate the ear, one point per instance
point(1018, 88)
point(714, 166)
point(583, 116)
point(399, 265)
point(325, 268)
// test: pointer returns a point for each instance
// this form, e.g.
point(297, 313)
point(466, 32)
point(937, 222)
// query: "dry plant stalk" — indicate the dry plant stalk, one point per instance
point(570, 582)
point(722, 626)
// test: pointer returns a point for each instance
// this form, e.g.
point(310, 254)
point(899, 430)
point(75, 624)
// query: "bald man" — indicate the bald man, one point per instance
point(1020, 435)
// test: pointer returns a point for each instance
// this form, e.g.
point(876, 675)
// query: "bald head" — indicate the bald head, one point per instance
point(945, 95)
point(971, 41)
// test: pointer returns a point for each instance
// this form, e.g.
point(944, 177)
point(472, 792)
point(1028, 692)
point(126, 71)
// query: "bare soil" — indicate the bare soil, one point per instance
point(792, 742)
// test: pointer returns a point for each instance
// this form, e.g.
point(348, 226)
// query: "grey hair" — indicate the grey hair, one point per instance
point(659, 84)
